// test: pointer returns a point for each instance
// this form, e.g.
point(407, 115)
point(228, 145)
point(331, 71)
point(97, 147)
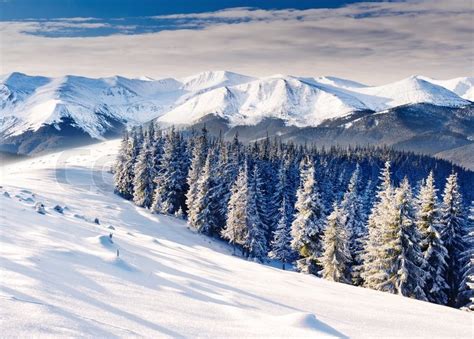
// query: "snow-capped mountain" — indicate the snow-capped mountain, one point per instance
point(31, 106)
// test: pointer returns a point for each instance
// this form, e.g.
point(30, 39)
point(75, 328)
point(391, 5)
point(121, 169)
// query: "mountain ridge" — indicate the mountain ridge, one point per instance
point(98, 108)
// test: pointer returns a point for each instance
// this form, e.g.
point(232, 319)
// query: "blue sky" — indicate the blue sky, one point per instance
point(106, 9)
point(371, 42)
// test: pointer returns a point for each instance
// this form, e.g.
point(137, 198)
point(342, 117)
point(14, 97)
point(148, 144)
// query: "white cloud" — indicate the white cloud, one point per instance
point(369, 42)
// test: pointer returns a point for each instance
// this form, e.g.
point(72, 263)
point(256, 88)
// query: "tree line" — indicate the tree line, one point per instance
point(365, 216)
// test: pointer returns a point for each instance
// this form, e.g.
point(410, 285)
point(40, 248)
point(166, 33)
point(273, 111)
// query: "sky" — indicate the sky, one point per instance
point(371, 42)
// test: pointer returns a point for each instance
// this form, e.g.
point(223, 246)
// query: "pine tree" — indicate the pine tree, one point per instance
point(143, 176)
point(262, 201)
point(236, 226)
point(336, 258)
point(124, 170)
point(352, 207)
point(407, 276)
point(281, 243)
point(169, 193)
point(204, 214)
point(307, 227)
point(121, 172)
point(199, 154)
point(466, 287)
point(434, 251)
point(382, 217)
point(452, 229)
point(255, 242)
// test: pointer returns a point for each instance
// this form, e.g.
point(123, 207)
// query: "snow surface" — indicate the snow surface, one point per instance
point(27, 103)
point(60, 275)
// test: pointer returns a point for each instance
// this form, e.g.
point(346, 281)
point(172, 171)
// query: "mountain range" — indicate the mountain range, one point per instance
point(39, 114)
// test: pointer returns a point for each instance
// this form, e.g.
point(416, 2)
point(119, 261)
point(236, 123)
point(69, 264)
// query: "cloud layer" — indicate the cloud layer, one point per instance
point(368, 42)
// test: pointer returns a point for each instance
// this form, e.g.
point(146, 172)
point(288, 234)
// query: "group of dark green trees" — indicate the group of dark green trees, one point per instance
point(365, 216)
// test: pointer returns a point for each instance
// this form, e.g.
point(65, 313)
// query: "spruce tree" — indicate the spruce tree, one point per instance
point(466, 287)
point(352, 207)
point(236, 225)
point(452, 228)
point(383, 216)
point(169, 193)
point(336, 258)
point(307, 227)
point(204, 215)
point(406, 274)
point(255, 242)
point(281, 243)
point(143, 176)
point(434, 251)
point(124, 171)
point(199, 154)
point(121, 172)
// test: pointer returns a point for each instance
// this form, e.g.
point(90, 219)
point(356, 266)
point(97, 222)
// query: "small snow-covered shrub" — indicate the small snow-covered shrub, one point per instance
point(58, 209)
point(39, 207)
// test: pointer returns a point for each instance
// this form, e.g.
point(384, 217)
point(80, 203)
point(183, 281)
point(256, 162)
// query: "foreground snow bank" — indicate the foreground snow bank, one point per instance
point(60, 275)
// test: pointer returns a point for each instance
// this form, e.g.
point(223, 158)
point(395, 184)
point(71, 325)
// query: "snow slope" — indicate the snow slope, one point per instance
point(60, 275)
point(28, 103)
point(463, 86)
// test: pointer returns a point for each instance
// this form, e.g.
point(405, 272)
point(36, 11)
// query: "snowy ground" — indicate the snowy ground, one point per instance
point(59, 274)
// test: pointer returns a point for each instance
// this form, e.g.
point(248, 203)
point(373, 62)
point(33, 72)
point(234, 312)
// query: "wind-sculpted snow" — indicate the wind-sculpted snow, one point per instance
point(61, 276)
point(27, 103)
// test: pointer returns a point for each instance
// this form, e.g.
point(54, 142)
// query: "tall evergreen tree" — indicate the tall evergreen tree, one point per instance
point(124, 171)
point(307, 227)
point(352, 207)
point(169, 193)
point(199, 154)
point(204, 216)
point(236, 226)
point(382, 217)
point(281, 243)
point(336, 258)
point(434, 251)
point(407, 275)
point(143, 176)
point(466, 288)
point(452, 226)
point(255, 242)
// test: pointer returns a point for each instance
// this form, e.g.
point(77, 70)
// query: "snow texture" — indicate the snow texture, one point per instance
point(154, 277)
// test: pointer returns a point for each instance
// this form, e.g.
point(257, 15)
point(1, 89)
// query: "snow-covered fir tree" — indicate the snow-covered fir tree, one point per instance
point(199, 154)
point(204, 215)
point(281, 243)
point(382, 218)
point(169, 193)
point(453, 231)
point(262, 196)
point(307, 227)
point(236, 225)
point(407, 276)
point(434, 251)
point(351, 206)
point(466, 287)
point(336, 258)
point(143, 176)
point(255, 242)
point(124, 169)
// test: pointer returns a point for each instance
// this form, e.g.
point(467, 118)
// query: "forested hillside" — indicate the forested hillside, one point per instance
point(372, 217)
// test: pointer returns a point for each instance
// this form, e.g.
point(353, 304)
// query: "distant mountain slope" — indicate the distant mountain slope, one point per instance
point(62, 277)
point(38, 113)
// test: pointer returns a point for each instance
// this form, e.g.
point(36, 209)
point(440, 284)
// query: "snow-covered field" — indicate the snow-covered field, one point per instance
point(60, 275)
